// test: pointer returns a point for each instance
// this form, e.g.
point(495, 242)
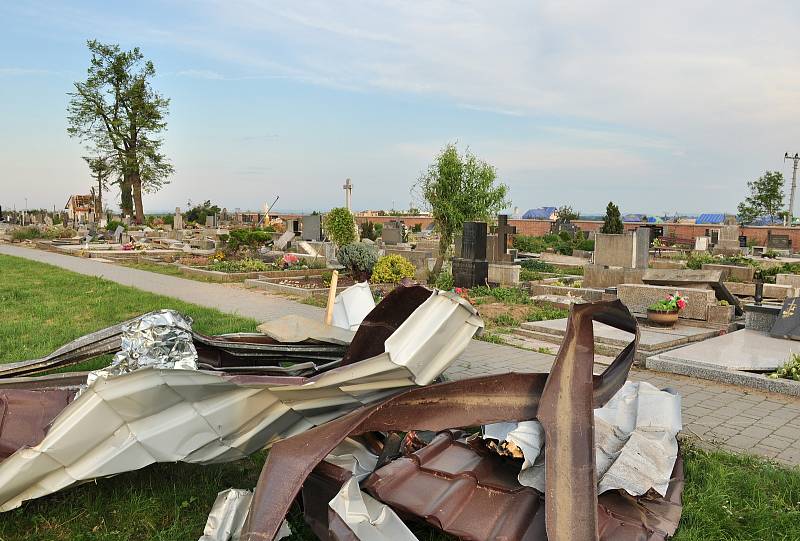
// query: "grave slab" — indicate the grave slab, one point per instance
point(637, 297)
point(745, 349)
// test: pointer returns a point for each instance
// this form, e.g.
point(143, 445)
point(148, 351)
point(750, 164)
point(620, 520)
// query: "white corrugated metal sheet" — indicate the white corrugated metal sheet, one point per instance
point(126, 422)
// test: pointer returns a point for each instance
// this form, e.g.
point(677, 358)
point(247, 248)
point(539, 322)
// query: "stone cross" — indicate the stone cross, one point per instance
point(348, 193)
point(503, 230)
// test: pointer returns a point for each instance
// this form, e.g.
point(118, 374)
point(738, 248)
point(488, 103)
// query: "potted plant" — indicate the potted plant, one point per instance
point(665, 312)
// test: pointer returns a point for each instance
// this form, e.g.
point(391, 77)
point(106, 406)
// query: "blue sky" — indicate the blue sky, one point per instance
point(659, 108)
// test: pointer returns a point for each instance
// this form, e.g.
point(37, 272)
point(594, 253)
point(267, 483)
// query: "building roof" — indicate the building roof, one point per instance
point(80, 202)
point(541, 213)
point(709, 218)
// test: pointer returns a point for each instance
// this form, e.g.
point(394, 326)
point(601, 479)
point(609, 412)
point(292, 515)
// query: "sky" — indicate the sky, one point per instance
point(661, 107)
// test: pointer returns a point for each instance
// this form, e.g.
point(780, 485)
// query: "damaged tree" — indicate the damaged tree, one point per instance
point(116, 112)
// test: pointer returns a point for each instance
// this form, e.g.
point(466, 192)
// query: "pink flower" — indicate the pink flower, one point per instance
point(459, 290)
point(290, 259)
point(681, 304)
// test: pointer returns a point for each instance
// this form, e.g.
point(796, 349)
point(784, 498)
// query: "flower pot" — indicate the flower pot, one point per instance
point(664, 318)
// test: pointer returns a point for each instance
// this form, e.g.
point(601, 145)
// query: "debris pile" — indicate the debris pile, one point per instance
point(357, 426)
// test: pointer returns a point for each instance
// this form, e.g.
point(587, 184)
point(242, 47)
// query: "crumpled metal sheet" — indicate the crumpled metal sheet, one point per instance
point(352, 305)
point(125, 422)
point(228, 514)
point(566, 416)
point(293, 329)
point(471, 402)
point(367, 518)
point(25, 416)
point(464, 489)
point(635, 439)
point(160, 339)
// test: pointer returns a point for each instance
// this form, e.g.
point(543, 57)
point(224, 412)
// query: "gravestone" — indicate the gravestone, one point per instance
point(787, 324)
point(628, 250)
point(177, 220)
point(284, 240)
point(702, 244)
point(48, 221)
point(118, 234)
point(312, 227)
point(392, 232)
point(728, 241)
point(472, 268)
point(211, 221)
point(499, 253)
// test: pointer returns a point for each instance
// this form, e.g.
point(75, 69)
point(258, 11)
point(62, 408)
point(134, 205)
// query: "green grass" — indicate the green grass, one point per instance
point(727, 497)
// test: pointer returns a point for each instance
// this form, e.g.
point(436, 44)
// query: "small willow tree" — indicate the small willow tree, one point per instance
point(459, 188)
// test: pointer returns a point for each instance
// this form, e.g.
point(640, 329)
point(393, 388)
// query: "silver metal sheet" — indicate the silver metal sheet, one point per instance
point(635, 438)
point(128, 421)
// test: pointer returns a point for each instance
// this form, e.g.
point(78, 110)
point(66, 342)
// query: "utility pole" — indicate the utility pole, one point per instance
point(795, 159)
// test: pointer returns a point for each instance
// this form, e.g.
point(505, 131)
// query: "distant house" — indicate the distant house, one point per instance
point(542, 213)
point(78, 207)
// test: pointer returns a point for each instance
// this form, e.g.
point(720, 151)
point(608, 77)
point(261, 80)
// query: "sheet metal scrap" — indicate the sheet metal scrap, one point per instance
point(236, 351)
point(472, 493)
point(476, 401)
point(126, 422)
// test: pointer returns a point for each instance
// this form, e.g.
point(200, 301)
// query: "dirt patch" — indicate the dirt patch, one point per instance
point(491, 310)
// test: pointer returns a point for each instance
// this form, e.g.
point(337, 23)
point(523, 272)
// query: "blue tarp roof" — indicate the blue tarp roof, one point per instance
point(709, 218)
point(542, 213)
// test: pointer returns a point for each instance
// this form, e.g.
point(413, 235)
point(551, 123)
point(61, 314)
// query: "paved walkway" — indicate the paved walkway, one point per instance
point(734, 418)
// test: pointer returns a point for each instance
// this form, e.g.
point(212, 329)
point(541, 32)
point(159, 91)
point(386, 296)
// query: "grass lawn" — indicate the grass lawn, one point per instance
point(727, 497)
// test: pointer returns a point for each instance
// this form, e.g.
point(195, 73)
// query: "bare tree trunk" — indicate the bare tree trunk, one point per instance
point(126, 196)
point(444, 246)
point(99, 205)
point(136, 185)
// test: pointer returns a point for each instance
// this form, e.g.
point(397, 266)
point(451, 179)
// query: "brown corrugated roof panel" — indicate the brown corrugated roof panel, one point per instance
point(471, 493)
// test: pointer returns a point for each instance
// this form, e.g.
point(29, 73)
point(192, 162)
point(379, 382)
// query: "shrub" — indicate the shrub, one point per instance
point(444, 281)
point(527, 243)
point(696, 261)
point(537, 265)
point(565, 236)
point(26, 233)
point(340, 226)
point(368, 231)
point(112, 225)
point(391, 269)
point(240, 265)
point(790, 370)
point(529, 276)
point(359, 259)
point(248, 238)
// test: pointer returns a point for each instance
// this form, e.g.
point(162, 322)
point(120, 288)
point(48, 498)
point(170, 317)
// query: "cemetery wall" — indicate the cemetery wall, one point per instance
point(410, 221)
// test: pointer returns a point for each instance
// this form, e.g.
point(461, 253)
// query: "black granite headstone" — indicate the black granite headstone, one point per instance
point(472, 268)
point(787, 325)
point(742, 241)
point(473, 241)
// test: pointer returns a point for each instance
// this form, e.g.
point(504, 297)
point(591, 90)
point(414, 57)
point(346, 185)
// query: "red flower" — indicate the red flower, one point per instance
point(681, 304)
